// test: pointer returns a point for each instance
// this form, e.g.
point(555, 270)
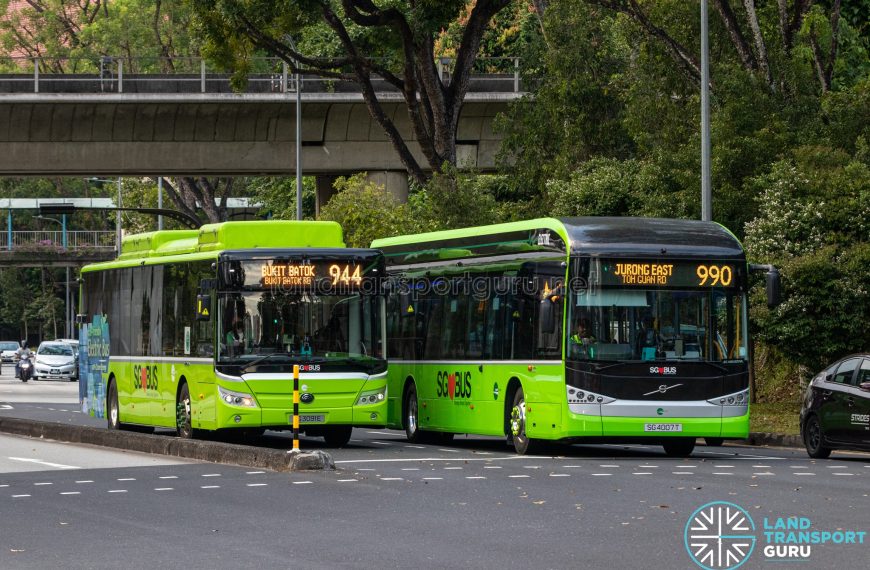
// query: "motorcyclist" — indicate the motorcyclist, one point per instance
point(22, 352)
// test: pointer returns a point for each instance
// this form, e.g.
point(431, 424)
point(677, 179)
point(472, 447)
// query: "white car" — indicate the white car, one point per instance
point(8, 350)
point(56, 360)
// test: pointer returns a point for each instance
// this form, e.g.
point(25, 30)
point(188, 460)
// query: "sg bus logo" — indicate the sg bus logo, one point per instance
point(145, 377)
point(455, 385)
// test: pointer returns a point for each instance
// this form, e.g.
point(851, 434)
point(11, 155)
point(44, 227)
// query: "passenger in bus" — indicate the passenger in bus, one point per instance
point(647, 339)
point(582, 340)
point(236, 339)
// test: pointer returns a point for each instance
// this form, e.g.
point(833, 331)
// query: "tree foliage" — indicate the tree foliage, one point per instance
point(361, 41)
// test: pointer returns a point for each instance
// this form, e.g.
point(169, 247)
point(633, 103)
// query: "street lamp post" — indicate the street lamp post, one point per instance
point(118, 217)
point(706, 190)
point(67, 313)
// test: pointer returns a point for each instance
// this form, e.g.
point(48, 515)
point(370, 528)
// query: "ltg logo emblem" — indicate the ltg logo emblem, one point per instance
point(720, 536)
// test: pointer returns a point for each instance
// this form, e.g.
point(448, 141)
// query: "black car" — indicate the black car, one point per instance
point(836, 408)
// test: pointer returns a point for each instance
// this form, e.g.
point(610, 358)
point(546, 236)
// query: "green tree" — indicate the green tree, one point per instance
point(359, 41)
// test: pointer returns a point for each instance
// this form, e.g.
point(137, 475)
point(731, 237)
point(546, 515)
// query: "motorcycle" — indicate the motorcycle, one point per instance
point(25, 369)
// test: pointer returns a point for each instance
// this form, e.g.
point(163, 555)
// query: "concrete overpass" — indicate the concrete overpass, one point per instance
point(110, 124)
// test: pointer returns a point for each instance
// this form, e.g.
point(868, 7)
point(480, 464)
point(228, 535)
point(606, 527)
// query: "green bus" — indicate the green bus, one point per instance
point(571, 330)
point(200, 329)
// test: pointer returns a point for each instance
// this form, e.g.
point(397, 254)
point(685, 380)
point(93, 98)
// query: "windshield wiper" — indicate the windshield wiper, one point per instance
point(261, 359)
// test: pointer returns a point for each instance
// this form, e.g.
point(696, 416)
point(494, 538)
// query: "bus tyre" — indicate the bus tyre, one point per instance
point(517, 423)
point(679, 446)
point(114, 410)
point(813, 439)
point(412, 415)
point(337, 436)
point(714, 441)
point(183, 426)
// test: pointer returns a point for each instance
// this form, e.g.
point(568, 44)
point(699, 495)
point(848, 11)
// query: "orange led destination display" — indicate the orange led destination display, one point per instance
point(667, 274)
point(291, 274)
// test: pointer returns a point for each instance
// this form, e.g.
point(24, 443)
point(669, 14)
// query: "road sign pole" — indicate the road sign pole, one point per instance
point(295, 407)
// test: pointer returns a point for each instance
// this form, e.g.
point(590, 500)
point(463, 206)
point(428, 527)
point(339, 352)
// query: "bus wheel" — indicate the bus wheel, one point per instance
point(714, 441)
point(337, 436)
point(183, 425)
point(412, 418)
point(522, 443)
point(813, 439)
point(114, 415)
point(679, 446)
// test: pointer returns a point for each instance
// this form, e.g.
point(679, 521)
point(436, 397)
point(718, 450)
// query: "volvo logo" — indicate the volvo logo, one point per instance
point(662, 389)
point(306, 398)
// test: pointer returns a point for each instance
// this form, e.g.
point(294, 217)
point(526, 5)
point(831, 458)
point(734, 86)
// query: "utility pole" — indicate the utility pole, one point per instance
point(298, 143)
point(160, 202)
point(706, 190)
point(118, 216)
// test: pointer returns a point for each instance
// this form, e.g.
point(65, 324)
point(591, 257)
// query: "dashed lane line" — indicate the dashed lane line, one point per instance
point(164, 489)
point(19, 496)
point(559, 475)
point(256, 484)
point(254, 472)
point(39, 484)
point(519, 476)
point(301, 482)
point(126, 479)
point(347, 480)
point(209, 486)
point(168, 477)
point(84, 481)
point(682, 472)
point(71, 493)
point(117, 491)
point(208, 475)
point(433, 478)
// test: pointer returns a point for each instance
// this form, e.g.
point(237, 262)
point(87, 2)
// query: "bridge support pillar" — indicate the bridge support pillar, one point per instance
point(394, 182)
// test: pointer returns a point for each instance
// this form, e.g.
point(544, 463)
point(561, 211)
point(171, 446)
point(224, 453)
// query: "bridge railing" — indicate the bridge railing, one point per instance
point(193, 75)
point(54, 241)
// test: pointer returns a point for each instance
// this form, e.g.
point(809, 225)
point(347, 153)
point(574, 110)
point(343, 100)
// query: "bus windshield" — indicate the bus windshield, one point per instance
point(299, 327)
point(646, 324)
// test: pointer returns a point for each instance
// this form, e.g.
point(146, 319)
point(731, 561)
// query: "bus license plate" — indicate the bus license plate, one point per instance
point(663, 427)
point(310, 418)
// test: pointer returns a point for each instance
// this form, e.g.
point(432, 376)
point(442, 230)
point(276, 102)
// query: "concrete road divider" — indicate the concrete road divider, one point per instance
point(212, 451)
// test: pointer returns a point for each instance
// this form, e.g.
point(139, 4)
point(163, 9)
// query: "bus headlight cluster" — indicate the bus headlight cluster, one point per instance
point(367, 398)
point(578, 396)
point(740, 398)
point(236, 398)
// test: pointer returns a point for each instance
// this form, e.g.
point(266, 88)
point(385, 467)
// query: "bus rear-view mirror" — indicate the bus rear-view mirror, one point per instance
point(547, 316)
point(774, 286)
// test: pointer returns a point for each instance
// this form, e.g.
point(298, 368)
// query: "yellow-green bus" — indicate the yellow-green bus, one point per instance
point(199, 330)
point(573, 330)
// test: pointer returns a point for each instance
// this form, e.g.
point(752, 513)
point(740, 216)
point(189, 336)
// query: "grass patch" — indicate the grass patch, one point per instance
point(775, 417)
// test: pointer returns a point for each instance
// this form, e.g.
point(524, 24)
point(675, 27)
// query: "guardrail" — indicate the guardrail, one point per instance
point(110, 74)
point(54, 240)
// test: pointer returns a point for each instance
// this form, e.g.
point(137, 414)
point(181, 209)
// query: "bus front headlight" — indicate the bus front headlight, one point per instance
point(237, 398)
point(372, 397)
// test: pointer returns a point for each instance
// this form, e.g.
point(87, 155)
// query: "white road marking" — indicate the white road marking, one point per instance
point(847, 474)
point(519, 476)
point(559, 475)
point(764, 473)
point(346, 480)
point(476, 477)
point(449, 450)
point(382, 443)
point(19, 496)
point(601, 474)
point(446, 459)
point(208, 475)
point(649, 466)
point(642, 473)
point(836, 466)
point(380, 432)
point(804, 473)
point(254, 472)
point(433, 478)
point(762, 466)
point(722, 473)
point(683, 472)
point(608, 465)
point(410, 468)
point(391, 479)
point(127, 479)
point(71, 493)
point(46, 463)
point(1, 486)
point(365, 469)
point(415, 447)
point(164, 489)
point(531, 466)
point(209, 486)
point(492, 466)
point(723, 466)
point(301, 482)
point(257, 484)
point(38, 484)
point(87, 481)
point(118, 491)
point(5, 407)
point(169, 477)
